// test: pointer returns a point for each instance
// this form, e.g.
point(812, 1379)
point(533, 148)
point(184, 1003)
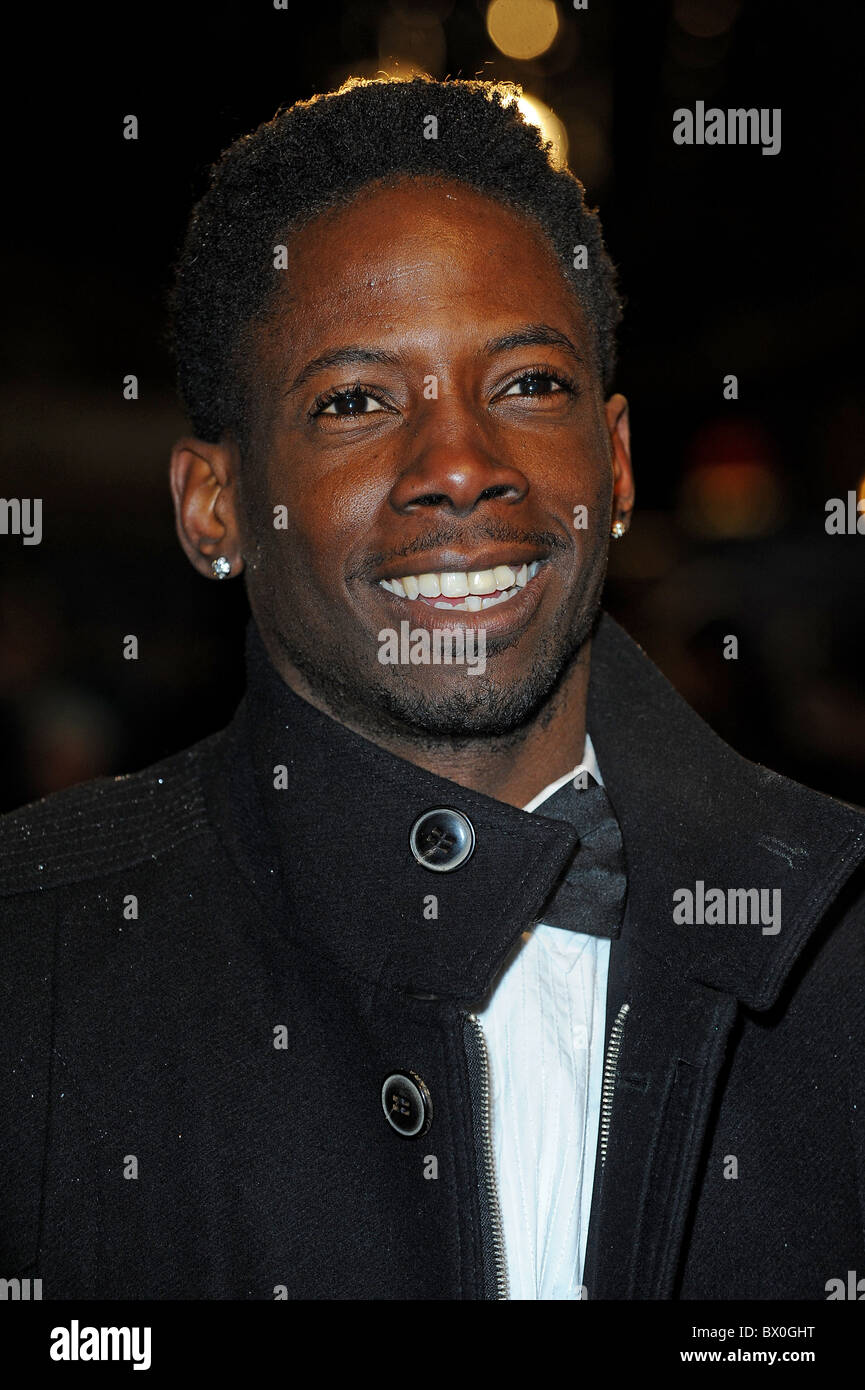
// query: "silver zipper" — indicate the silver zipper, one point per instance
point(609, 1083)
point(495, 1211)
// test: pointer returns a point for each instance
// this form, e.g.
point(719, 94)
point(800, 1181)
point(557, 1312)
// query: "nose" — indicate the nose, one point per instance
point(453, 466)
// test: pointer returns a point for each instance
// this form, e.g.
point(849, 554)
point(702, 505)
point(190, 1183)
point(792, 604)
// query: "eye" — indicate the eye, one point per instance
point(539, 383)
point(347, 403)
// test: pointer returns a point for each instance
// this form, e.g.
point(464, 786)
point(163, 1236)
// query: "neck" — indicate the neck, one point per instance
point(512, 767)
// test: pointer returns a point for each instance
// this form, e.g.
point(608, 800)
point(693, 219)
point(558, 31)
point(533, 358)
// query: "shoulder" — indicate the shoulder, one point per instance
point(108, 824)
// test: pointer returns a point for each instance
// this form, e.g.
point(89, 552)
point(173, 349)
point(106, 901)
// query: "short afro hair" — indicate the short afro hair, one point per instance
point(319, 154)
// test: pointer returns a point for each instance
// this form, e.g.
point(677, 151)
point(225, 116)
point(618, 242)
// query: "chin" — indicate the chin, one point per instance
point(476, 706)
point(452, 706)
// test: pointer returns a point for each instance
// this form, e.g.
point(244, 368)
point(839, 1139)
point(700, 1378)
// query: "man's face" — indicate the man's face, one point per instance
point(429, 407)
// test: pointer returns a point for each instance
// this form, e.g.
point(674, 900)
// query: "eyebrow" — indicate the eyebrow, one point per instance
point(342, 357)
point(533, 335)
point(528, 335)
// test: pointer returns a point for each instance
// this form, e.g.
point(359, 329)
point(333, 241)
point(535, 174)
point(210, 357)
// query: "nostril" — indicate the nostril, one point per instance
point(500, 490)
point(430, 499)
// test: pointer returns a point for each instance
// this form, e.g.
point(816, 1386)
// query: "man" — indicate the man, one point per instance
point(467, 962)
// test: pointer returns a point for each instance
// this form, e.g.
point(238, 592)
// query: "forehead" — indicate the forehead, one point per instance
point(425, 252)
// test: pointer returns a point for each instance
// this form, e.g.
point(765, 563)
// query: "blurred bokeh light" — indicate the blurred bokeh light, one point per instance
point(730, 488)
point(537, 113)
point(522, 28)
point(706, 19)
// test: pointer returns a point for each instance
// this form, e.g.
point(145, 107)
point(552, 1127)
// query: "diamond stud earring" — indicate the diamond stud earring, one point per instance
point(618, 529)
point(220, 568)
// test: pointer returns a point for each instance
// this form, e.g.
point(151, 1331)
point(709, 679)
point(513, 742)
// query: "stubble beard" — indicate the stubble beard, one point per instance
point(465, 709)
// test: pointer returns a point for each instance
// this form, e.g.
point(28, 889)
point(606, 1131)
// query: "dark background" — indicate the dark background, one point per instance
point(732, 262)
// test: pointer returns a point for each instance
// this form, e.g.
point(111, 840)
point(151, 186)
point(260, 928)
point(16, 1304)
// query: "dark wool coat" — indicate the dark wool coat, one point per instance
point(190, 1099)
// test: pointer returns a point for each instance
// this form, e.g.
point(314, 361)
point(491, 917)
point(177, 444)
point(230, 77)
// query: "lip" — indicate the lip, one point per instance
point(457, 562)
point(502, 620)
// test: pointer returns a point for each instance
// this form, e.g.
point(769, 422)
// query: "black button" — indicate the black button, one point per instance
point(407, 1104)
point(442, 839)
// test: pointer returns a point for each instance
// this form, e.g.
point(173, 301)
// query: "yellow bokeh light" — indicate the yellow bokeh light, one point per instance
point(551, 128)
point(522, 28)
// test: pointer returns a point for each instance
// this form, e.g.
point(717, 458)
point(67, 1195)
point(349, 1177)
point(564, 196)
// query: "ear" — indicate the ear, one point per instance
point(618, 426)
point(204, 490)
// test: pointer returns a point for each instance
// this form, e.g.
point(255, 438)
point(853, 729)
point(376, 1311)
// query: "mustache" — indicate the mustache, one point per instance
point(443, 538)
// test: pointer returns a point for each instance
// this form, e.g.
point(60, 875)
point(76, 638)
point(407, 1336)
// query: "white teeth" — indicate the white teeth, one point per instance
point(481, 582)
point(499, 598)
point(454, 584)
point(473, 603)
point(480, 588)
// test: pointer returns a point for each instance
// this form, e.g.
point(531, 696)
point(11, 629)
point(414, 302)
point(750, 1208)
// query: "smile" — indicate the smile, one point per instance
point(466, 591)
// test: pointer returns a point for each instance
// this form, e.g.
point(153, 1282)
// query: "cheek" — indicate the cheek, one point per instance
point(321, 515)
point(596, 473)
point(584, 480)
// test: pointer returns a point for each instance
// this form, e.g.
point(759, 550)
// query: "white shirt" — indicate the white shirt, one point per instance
point(544, 1024)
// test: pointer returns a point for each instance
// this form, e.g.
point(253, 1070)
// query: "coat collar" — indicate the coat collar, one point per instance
point(327, 853)
point(691, 809)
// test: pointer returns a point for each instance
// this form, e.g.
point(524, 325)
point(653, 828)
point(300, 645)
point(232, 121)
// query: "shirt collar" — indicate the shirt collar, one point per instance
point(589, 764)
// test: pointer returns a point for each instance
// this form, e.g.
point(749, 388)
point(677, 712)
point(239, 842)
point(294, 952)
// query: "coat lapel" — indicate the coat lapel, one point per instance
point(692, 812)
point(672, 1047)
